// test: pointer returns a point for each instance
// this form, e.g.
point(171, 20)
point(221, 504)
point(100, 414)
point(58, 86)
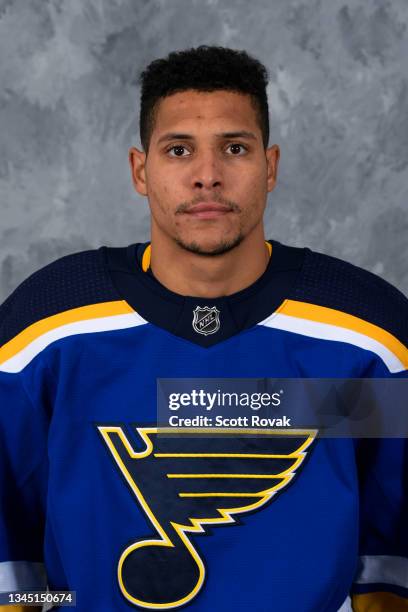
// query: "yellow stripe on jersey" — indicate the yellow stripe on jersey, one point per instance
point(20, 609)
point(379, 602)
point(337, 318)
point(74, 315)
point(146, 258)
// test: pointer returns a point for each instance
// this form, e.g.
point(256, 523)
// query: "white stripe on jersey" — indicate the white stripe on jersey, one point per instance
point(326, 331)
point(22, 576)
point(383, 569)
point(114, 322)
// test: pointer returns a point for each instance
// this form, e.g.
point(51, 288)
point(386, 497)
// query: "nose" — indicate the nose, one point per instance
point(207, 172)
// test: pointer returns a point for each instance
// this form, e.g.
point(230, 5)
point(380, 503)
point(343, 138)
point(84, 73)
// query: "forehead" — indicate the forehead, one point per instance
point(190, 110)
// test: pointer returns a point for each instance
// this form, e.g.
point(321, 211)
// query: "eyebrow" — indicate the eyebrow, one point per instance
point(179, 136)
point(240, 134)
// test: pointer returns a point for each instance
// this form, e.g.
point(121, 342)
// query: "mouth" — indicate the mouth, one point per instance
point(208, 210)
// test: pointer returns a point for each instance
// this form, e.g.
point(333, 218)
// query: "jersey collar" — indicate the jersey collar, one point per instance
point(144, 254)
point(203, 321)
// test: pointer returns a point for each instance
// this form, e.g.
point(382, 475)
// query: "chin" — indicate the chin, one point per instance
point(210, 248)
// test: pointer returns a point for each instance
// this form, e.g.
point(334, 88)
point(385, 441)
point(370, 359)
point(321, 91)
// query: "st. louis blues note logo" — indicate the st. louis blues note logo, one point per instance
point(184, 483)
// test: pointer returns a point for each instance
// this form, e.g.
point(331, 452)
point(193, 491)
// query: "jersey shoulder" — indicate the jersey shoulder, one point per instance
point(336, 284)
point(70, 282)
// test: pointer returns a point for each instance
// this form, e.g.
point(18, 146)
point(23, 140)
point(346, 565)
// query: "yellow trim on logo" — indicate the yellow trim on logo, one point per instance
point(194, 525)
point(74, 315)
point(330, 316)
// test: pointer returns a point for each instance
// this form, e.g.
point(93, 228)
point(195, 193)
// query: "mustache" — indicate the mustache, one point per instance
point(184, 207)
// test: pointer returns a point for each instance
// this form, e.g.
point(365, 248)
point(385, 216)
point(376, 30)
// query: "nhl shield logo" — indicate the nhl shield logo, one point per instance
point(206, 320)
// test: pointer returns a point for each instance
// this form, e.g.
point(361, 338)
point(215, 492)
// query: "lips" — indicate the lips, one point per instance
point(208, 210)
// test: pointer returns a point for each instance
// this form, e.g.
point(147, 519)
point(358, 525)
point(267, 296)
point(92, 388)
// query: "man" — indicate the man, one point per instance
point(94, 500)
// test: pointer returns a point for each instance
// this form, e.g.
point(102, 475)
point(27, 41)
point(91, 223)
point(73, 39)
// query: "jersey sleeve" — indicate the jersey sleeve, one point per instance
point(379, 313)
point(23, 447)
point(381, 581)
point(27, 394)
point(23, 483)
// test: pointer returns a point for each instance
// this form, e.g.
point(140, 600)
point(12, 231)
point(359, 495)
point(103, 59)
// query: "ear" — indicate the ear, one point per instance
point(272, 160)
point(137, 161)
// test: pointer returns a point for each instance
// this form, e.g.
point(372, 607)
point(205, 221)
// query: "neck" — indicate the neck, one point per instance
point(187, 273)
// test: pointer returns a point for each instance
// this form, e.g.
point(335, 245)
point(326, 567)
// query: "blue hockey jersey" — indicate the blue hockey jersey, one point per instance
point(93, 500)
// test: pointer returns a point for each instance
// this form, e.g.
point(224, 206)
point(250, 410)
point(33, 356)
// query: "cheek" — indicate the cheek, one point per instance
point(158, 195)
point(255, 191)
point(155, 202)
point(253, 179)
point(253, 199)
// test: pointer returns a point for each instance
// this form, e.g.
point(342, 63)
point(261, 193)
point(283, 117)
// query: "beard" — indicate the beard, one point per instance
point(222, 247)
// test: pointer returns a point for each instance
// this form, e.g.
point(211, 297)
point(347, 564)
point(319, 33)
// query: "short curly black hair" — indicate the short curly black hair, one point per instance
point(205, 68)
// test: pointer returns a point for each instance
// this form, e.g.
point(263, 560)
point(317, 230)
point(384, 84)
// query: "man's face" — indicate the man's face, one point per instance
point(206, 174)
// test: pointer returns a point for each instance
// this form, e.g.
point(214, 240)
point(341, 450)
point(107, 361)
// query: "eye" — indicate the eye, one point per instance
point(178, 151)
point(237, 149)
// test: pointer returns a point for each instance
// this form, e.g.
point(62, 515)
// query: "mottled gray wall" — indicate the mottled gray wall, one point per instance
point(69, 104)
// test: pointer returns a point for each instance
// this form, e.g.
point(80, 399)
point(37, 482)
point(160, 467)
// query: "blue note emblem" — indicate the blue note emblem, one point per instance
point(186, 486)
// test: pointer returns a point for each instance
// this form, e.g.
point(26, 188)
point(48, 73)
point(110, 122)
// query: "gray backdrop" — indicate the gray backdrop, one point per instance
point(69, 104)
